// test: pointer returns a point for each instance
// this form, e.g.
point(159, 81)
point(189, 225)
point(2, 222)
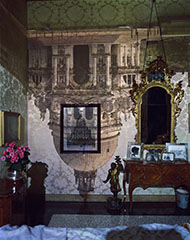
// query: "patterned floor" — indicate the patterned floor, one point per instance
point(149, 211)
point(100, 221)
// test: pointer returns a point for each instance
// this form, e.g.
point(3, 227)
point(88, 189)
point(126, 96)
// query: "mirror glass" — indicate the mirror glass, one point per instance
point(156, 116)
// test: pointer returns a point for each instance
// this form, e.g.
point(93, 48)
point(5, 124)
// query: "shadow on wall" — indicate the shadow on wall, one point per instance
point(36, 193)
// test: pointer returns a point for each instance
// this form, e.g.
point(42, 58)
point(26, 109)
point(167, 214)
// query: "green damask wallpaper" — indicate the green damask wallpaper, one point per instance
point(177, 53)
point(63, 14)
point(13, 42)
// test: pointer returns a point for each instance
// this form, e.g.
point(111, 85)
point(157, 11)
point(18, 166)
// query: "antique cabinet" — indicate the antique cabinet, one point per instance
point(12, 192)
point(156, 175)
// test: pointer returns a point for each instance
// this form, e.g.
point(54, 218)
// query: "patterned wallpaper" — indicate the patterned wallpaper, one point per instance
point(13, 98)
point(13, 42)
point(60, 179)
point(63, 14)
point(177, 60)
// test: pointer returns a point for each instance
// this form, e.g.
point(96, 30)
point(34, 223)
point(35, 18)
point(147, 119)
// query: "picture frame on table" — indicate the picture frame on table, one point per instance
point(152, 157)
point(168, 157)
point(180, 150)
point(10, 127)
point(134, 151)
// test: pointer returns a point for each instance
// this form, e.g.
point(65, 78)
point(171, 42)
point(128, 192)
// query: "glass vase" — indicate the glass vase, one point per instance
point(15, 175)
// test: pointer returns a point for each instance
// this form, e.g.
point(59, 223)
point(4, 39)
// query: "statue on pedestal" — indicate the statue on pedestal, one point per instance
point(114, 203)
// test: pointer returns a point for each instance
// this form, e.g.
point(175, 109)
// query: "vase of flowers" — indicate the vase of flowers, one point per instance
point(16, 159)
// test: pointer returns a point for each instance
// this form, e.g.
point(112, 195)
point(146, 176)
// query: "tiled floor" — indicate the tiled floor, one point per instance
point(103, 221)
point(99, 208)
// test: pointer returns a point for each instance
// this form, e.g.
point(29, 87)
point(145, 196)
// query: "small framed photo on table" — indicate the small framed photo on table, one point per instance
point(168, 157)
point(134, 151)
point(152, 157)
point(180, 150)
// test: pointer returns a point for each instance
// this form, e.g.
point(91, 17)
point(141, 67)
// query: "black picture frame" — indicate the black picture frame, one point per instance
point(80, 128)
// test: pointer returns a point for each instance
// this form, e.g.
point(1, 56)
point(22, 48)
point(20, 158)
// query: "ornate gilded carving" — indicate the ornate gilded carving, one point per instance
point(156, 75)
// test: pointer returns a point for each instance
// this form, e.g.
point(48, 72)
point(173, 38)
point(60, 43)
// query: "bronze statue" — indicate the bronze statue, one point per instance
point(113, 177)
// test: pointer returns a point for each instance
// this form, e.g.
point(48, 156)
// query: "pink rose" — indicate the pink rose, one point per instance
point(12, 144)
point(3, 158)
point(21, 154)
point(12, 154)
point(12, 160)
point(10, 150)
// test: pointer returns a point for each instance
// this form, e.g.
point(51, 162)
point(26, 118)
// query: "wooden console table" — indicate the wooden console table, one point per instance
point(156, 175)
point(10, 190)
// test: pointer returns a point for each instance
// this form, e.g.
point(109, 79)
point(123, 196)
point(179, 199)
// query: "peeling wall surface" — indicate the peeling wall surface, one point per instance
point(61, 179)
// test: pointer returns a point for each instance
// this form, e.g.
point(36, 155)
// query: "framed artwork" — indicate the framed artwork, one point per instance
point(10, 125)
point(80, 128)
point(180, 150)
point(134, 151)
point(152, 157)
point(168, 156)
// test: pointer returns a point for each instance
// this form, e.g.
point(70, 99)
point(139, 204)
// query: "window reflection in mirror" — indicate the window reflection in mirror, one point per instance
point(155, 116)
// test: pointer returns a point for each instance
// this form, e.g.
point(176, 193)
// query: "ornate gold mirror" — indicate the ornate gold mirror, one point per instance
point(156, 106)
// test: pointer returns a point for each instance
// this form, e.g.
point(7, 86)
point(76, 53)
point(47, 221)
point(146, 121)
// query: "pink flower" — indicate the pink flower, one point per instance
point(12, 154)
point(3, 158)
point(10, 150)
point(12, 160)
point(6, 144)
point(21, 154)
point(12, 144)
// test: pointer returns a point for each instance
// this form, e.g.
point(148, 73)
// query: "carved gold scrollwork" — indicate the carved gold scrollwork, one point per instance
point(156, 75)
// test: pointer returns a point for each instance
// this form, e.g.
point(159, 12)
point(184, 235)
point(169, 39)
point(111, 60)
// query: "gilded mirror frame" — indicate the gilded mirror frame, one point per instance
point(15, 120)
point(156, 75)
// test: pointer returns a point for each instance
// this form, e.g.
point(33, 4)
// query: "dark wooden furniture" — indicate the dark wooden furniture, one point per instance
point(156, 175)
point(11, 191)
